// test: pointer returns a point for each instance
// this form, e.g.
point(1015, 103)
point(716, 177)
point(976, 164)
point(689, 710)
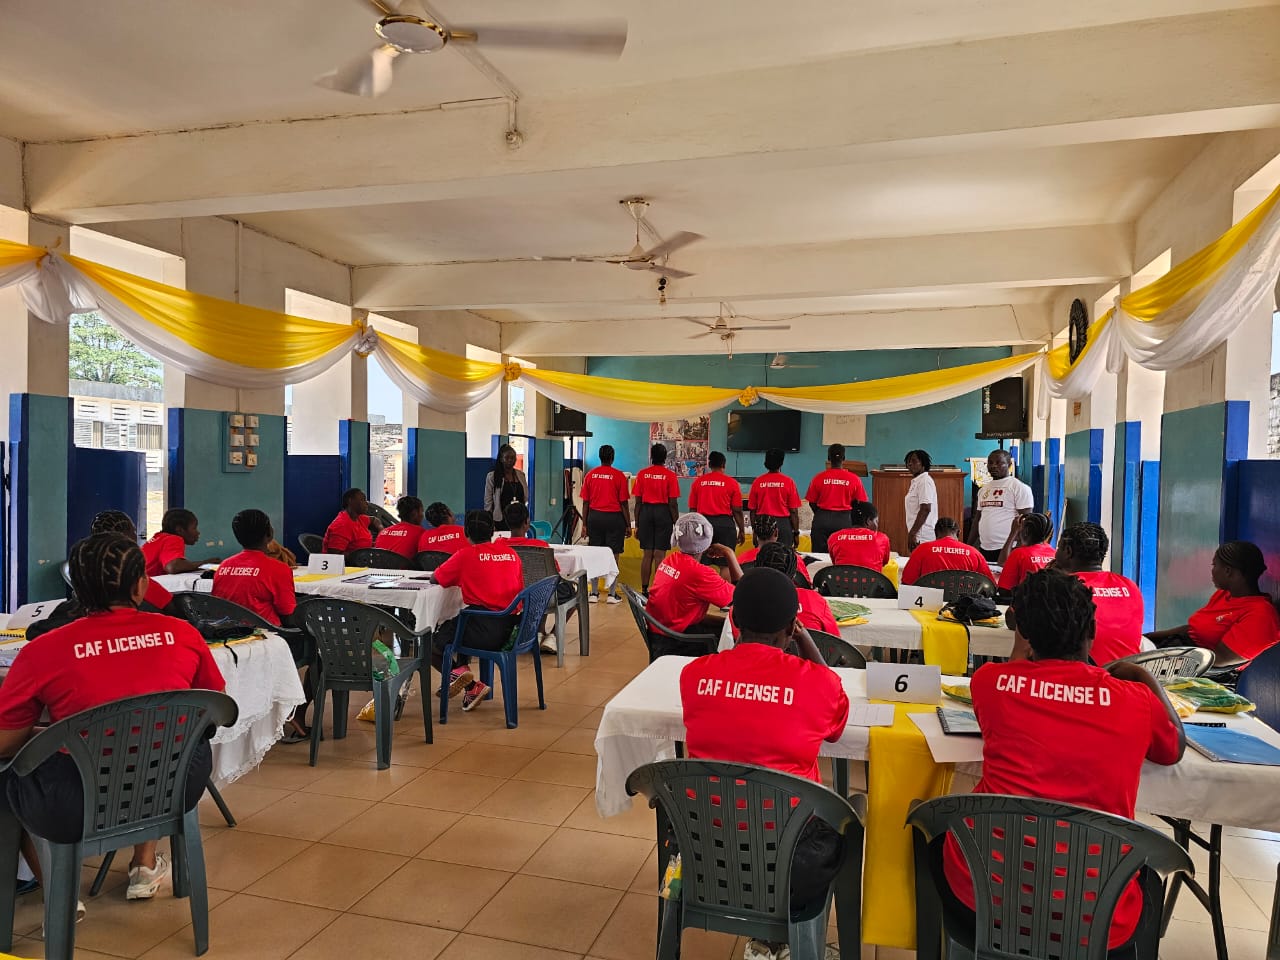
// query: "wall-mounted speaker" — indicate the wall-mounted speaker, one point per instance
point(1004, 410)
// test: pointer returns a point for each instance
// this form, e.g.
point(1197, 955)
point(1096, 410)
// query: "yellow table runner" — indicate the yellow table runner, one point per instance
point(945, 644)
point(901, 769)
point(316, 577)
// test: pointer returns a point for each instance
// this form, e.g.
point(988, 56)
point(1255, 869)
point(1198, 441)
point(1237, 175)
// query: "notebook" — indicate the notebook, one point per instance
point(960, 723)
point(1233, 746)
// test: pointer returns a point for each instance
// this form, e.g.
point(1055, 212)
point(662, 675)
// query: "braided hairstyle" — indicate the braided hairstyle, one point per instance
point(775, 556)
point(405, 507)
point(945, 527)
point(176, 520)
point(1243, 556)
point(863, 513)
point(114, 521)
point(439, 514)
point(1036, 529)
point(1055, 612)
point(1088, 543)
point(765, 527)
point(252, 529)
point(515, 515)
point(105, 567)
point(479, 526)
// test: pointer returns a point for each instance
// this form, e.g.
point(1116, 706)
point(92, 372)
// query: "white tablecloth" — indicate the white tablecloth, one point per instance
point(594, 561)
point(263, 681)
point(431, 605)
point(178, 582)
point(642, 723)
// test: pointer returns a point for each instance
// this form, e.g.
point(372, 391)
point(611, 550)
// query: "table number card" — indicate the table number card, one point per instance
point(326, 563)
point(921, 598)
point(905, 683)
point(29, 613)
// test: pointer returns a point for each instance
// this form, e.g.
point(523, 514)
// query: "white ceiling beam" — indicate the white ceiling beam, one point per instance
point(1050, 257)
point(1125, 81)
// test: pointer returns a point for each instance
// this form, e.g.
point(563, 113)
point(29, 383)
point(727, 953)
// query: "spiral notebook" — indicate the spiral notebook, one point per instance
point(1232, 746)
point(960, 723)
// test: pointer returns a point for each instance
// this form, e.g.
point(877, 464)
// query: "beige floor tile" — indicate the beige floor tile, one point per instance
point(569, 769)
point(285, 775)
point(244, 801)
point(578, 692)
point(356, 745)
point(406, 752)
point(536, 736)
point(368, 938)
point(1194, 941)
point(547, 803)
point(594, 858)
point(1238, 908)
point(489, 842)
point(304, 816)
point(236, 858)
point(446, 790)
point(468, 947)
point(490, 759)
point(637, 822)
point(631, 931)
point(117, 926)
point(1261, 892)
point(579, 740)
point(326, 875)
point(394, 828)
point(363, 780)
point(430, 892)
point(1249, 858)
point(251, 927)
point(558, 713)
point(538, 911)
point(30, 949)
point(646, 878)
point(592, 720)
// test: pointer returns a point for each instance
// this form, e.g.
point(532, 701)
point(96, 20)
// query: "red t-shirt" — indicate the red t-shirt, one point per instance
point(945, 554)
point(756, 704)
point(489, 574)
point(815, 614)
point(160, 549)
point(774, 495)
point(1067, 731)
point(446, 538)
point(258, 583)
point(605, 489)
point(715, 495)
point(401, 538)
point(1247, 625)
point(683, 588)
point(655, 485)
point(859, 547)
point(157, 595)
point(1023, 562)
point(345, 534)
point(835, 490)
point(526, 542)
point(1119, 618)
point(103, 657)
point(749, 556)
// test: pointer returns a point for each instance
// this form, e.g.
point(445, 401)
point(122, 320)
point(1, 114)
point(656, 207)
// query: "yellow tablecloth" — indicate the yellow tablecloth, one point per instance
point(945, 644)
point(891, 571)
point(314, 577)
point(901, 769)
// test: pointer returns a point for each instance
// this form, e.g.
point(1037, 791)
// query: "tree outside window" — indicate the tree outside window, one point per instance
point(99, 354)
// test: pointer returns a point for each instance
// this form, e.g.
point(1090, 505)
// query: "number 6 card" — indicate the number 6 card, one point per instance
point(905, 683)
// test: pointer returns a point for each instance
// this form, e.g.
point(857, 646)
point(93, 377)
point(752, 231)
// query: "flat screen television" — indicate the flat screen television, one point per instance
point(764, 429)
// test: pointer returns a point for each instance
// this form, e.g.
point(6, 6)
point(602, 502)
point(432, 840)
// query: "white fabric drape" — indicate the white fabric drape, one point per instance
point(428, 387)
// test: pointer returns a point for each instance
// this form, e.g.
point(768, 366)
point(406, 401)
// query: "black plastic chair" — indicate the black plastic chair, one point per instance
point(311, 542)
point(133, 756)
point(847, 581)
point(532, 602)
point(65, 570)
point(430, 559)
point(1173, 663)
point(204, 608)
point(345, 631)
point(1047, 878)
point(695, 644)
point(737, 879)
point(537, 563)
point(380, 513)
point(837, 651)
point(378, 559)
point(955, 584)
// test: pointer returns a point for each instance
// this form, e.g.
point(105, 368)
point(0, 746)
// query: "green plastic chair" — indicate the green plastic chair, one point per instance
point(850, 581)
point(955, 584)
point(379, 559)
point(670, 641)
point(837, 651)
point(736, 827)
point(132, 756)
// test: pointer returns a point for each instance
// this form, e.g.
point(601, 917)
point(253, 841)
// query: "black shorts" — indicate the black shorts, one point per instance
point(606, 530)
point(724, 530)
point(654, 525)
point(50, 801)
point(825, 523)
point(991, 556)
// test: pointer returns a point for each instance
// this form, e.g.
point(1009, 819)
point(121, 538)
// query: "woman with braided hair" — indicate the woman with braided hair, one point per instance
point(1032, 532)
point(1081, 550)
point(764, 529)
point(112, 652)
point(1239, 621)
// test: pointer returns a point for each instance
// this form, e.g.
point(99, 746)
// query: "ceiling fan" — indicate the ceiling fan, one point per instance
point(408, 27)
point(724, 325)
point(638, 258)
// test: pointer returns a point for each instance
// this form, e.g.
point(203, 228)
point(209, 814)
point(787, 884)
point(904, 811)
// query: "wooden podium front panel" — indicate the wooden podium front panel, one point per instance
point(889, 493)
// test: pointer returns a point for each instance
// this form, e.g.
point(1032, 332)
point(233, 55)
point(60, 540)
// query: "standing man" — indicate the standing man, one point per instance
point(774, 494)
point(1004, 498)
point(717, 496)
point(606, 514)
point(831, 495)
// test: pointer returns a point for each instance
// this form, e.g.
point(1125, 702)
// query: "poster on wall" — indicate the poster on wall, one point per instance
point(687, 441)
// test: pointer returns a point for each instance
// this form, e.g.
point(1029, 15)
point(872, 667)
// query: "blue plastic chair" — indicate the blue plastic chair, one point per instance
point(532, 603)
point(542, 529)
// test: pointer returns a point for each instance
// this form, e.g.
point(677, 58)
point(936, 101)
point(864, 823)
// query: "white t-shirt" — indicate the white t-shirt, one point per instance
point(999, 502)
point(922, 490)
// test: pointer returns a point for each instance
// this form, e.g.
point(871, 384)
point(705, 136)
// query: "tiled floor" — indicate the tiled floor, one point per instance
point(483, 846)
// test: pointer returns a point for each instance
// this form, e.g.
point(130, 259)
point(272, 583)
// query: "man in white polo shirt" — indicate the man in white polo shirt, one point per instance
point(1002, 499)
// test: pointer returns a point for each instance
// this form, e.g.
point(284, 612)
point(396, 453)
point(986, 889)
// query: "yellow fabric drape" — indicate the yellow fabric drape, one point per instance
point(424, 360)
point(627, 399)
point(1059, 360)
point(945, 645)
point(14, 254)
point(901, 770)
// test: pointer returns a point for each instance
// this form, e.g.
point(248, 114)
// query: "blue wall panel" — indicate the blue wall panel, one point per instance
point(1258, 519)
point(100, 480)
point(1082, 476)
point(313, 488)
point(1054, 482)
point(353, 448)
point(1148, 578)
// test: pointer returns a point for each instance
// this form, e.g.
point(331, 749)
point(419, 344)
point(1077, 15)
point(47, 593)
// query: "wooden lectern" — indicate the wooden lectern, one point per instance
point(889, 492)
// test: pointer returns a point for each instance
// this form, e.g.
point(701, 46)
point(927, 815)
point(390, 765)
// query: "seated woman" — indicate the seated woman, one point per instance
point(684, 588)
point(353, 528)
point(1033, 552)
point(946, 551)
point(862, 545)
point(1239, 621)
point(1081, 550)
point(89, 662)
point(764, 529)
point(1088, 749)
point(444, 536)
point(489, 575)
point(166, 552)
point(814, 613)
point(404, 537)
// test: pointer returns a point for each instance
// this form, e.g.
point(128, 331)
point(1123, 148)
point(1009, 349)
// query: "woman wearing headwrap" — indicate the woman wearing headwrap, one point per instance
point(684, 588)
point(1239, 621)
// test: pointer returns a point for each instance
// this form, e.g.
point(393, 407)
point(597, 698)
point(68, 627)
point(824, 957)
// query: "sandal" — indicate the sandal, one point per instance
point(294, 732)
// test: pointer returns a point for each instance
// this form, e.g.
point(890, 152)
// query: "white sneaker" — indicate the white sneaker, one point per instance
point(80, 912)
point(759, 950)
point(614, 598)
point(144, 882)
point(593, 598)
point(548, 645)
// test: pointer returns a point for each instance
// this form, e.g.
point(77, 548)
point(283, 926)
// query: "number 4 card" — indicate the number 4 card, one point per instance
point(921, 598)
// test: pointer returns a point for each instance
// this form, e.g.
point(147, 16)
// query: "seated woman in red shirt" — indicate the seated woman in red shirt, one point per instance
point(1032, 553)
point(403, 537)
point(1239, 621)
point(945, 552)
point(1081, 550)
point(684, 588)
point(861, 545)
point(764, 529)
point(353, 528)
point(87, 663)
point(1085, 749)
point(814, 612)
point(490, 576)
point(166, 552)
point(444, 535)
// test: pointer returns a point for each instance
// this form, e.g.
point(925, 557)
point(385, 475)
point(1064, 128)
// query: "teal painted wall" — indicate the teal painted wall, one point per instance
point(353, 447)
point(946, 430)
point(1075, 476)
point(43, 439)
point(216, 497)
point(548, 479)
point(438, 471)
